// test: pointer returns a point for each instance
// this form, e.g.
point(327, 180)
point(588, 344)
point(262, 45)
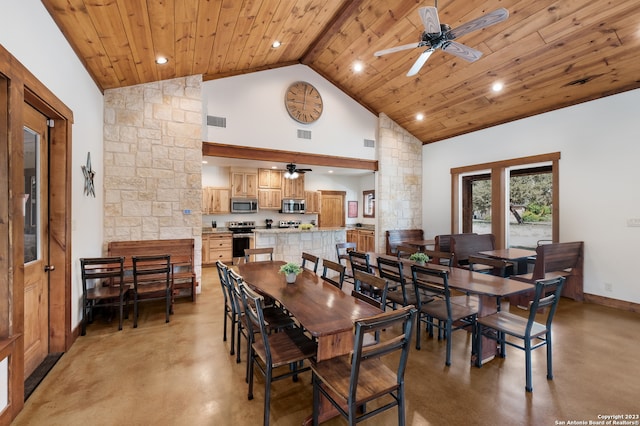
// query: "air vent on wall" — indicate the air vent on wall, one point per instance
point(216, 121)
point(304, 134)
point(369, 143)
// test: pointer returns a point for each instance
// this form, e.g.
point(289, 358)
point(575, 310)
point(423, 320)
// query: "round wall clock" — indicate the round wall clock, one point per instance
point(303, 102)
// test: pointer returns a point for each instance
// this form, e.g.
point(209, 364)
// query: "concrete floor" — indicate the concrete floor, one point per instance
point(181, 373)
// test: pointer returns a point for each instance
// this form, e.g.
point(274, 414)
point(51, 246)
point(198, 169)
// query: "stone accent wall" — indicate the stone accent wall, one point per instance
point(399, 180)
point(153, 162)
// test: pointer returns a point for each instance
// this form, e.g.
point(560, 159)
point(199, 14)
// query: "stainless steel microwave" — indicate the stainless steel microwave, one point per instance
point(292, 206)
point(244, 205)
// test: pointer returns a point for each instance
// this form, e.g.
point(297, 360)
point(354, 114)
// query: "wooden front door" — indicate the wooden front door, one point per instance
point(332, 213)
point(36, 245)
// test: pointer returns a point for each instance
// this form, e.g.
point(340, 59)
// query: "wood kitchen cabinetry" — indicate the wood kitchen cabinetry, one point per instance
point(269, 189)
point(216, 246)
point(215, 200)
point(364, 239)
point(244, 184)
point(312, 201)
point(293, 188)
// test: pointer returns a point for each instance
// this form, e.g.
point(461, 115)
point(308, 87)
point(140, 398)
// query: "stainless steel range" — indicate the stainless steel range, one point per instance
point(242, 235)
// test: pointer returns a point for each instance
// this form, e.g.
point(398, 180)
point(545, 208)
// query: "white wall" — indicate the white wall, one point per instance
point(599, 173)
point(28, 33)
point(253, 105)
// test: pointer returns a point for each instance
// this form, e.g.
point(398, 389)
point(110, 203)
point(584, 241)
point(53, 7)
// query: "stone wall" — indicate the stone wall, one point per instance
point(153, 162)
point(399, 180)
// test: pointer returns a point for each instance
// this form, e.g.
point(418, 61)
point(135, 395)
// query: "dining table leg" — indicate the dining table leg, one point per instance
point(487, 305)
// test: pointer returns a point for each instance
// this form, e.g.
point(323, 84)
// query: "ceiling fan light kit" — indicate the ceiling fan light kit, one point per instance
point(440, 36)
point(293, 172)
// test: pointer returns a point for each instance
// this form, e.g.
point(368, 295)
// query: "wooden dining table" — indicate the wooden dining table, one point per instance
point(518, 256)
point(324, 310)
point(487, 287)
point(420, 244)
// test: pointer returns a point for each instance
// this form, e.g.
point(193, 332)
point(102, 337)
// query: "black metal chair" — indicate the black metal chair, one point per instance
point(151, 281)
point(502, 324)
point(393, 269)
point(313, 260)
point(440, 312)
point(379, 287)
point(223, 275)
point(342, 253)
point(287, 348)
point(329, 266)
point(103, 286)
point(368, 373)
point(258, 254)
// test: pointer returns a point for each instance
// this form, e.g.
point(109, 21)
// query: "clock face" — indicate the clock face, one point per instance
point(303, 102)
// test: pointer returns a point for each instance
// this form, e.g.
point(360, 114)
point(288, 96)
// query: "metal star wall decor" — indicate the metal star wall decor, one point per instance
point(89, 188)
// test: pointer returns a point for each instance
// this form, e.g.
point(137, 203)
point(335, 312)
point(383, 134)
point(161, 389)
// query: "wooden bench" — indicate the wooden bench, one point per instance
point(183, 274)
point(396, 236)
point(559, 259)
point(464, 245)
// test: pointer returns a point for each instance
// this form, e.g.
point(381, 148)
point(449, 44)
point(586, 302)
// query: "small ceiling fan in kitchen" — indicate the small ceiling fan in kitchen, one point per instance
point(293, 172)
point(441, 36)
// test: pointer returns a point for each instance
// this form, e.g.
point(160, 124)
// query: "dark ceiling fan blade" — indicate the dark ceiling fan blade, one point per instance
point(479, 23)
point(420, 62)
point(462, 51)
point(430, 20)
point(396, 49)
point(303, 170)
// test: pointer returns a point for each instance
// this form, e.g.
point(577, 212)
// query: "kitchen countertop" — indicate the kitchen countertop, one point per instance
point(292, 230)
point(210, 230)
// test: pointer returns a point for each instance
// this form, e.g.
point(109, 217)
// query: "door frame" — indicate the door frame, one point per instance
point(18, 85)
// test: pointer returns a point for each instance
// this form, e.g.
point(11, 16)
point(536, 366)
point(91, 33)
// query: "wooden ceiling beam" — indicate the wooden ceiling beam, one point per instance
point(213, 149)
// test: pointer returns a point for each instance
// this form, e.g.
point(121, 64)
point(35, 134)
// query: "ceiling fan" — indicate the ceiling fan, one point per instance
point(293, 172)
point(441, 36)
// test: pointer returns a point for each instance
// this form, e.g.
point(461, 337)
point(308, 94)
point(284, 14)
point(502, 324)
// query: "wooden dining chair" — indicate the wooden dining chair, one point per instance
point(266, 252)
point(342, 253)
point(151, 281)
point(533, 334)
point(393, 270)
point(312, 260)
point(440, 313)
point(103, 286)
point(378, 296)
point(404, 251)
point(351, 381)
point(284, 352)
point(489, 265)
point(228, 309)
point(329, 271)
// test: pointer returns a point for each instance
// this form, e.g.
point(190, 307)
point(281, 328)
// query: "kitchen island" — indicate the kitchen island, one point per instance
point(289, 243)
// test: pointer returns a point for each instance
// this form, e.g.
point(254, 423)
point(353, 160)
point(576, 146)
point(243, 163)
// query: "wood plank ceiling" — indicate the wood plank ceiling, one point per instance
point(548, 54)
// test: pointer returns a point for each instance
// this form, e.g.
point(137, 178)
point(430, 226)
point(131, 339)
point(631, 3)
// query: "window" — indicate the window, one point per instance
point(516, 200)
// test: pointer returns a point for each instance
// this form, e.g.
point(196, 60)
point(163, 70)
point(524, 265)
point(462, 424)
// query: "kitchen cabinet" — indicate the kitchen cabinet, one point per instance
point(312, 201)
point(269, 179)
point(293, 188)
point(215, 200)
point(217, 246)
point(244, 184)
point(270, 199)
point(364, 239)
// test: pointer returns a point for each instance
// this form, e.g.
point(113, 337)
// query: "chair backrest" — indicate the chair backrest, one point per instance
point(376, 285)
point(431, 282)
point(151, 269)
point(223, 275)
point(399, 326)
point(394, 237)
point(342, 251)
point(99, 270)
point(329, 266)
point(439, 257)
point(464, 245)
point(393, 269)
point(497, 266)
point(233, 288)
point(255, 252)
point(557, 257)
point(313, 260)
point(404, 251)
point(360, 261)
point(253, 304)
point(547, 295)
point(443, 242)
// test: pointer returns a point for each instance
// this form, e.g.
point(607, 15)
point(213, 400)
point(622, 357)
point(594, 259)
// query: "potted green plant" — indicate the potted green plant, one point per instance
point(420, 258)
point(290, 271)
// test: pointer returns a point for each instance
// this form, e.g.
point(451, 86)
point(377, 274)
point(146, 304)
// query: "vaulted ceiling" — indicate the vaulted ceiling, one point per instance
point(548, 54)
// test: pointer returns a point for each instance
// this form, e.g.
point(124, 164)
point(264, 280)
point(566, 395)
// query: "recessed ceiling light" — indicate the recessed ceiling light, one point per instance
point(419, 117)
point(330, 171)
point(497, 86)
point(358, 67)
point(161, 60)
point(275, 44)
point(274, 167)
